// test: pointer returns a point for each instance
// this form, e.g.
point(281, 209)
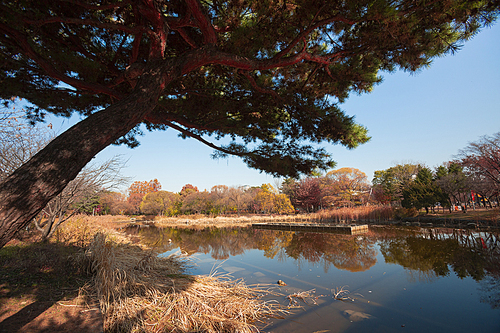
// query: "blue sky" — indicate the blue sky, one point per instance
point(424, 117)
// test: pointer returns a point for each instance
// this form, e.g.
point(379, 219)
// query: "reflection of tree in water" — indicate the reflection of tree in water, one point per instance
point(425, 253)
point(343, 251)
point(272, 242)
point(219, 242)
point(490, 290)
point(490, 285)
point(440, 251)
point(430, 253)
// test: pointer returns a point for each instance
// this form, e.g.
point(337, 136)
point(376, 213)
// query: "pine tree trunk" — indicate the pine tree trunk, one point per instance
point(28, 190)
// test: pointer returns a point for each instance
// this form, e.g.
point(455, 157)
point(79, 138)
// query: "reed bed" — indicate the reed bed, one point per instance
point(360, 213)
point(338, 215)
point(141, 292)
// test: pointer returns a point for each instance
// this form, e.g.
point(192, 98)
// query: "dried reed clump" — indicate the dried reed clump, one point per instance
point(80, 229)
point(141, 292)
point(229, 221)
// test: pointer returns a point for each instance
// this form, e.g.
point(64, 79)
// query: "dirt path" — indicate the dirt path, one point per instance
point(39, 287)
point(31, 316)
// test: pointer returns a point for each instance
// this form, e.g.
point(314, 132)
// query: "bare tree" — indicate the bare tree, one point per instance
point(114, 203)
point(239, 198)
point(481, 160)
point(485, 190)
point(19, 140)
point(80, 194)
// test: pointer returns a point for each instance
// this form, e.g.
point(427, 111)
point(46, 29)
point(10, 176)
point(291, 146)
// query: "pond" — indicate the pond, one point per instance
point(396, 279)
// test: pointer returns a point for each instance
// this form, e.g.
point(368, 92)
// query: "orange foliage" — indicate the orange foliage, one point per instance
point(144, 187)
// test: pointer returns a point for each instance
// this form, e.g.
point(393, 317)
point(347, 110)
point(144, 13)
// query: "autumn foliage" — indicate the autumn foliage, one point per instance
point(145, 187)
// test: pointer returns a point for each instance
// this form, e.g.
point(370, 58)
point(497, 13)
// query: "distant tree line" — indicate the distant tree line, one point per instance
point(472, 178)
point(345, 187)
point(221, 199)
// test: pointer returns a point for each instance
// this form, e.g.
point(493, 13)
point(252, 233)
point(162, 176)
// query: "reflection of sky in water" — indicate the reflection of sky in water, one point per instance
point(387, 297)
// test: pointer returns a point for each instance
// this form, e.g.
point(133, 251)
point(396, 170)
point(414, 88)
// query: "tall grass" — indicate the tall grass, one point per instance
point(141, 292)
point(360, 213)
point(80, 229)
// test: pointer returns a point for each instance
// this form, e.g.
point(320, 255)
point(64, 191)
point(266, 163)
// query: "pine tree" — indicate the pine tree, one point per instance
point(268, 74)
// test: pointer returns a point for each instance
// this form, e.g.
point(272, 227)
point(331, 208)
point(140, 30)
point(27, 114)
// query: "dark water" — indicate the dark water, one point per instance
point(399, 279)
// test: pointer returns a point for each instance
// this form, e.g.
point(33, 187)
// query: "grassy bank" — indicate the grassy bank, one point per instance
point(89, 267)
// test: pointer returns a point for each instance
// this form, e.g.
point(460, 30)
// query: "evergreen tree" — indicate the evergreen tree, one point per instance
point(422, 192)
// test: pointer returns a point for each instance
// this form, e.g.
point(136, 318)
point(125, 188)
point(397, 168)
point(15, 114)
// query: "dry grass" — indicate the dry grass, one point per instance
point(141, 292)
point(197, 221)
point(340, 215)
point(79, 230)
point(346, 215)
point(341, 294)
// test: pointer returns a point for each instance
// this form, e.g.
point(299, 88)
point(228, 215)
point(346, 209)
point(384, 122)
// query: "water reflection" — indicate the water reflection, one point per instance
point(425, 253)
point(431, 280)
point(342, 251)
point(438, 253)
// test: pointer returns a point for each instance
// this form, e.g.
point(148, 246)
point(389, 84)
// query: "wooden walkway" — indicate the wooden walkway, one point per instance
point(314, 227)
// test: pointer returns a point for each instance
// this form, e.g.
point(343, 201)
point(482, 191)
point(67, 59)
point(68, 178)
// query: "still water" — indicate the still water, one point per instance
point(398, 279)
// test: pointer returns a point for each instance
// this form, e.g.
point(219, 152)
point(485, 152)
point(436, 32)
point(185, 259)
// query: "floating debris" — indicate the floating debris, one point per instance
point(281, 283)
point(340, 294)
point(304, 296)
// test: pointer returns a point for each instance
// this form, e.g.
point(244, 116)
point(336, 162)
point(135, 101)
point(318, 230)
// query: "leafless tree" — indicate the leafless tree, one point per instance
point(481, 161)
point(19, 141)
point(240, 197)
point(80, 194)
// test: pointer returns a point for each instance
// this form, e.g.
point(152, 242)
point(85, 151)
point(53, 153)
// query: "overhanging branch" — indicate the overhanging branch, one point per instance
point(21, 41)
point(200, 139)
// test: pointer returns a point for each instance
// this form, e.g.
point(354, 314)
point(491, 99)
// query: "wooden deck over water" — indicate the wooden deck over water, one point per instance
point(314, 227)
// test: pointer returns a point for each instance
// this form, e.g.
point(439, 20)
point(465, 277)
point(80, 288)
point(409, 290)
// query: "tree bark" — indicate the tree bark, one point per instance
point(28, 190)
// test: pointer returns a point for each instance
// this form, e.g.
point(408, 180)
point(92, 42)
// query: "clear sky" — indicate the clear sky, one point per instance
point(424, 117)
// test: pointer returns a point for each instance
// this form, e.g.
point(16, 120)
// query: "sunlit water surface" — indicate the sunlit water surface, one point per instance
point(399, 279)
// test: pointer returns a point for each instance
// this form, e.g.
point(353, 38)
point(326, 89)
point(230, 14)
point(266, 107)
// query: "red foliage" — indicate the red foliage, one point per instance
point(308, 193)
